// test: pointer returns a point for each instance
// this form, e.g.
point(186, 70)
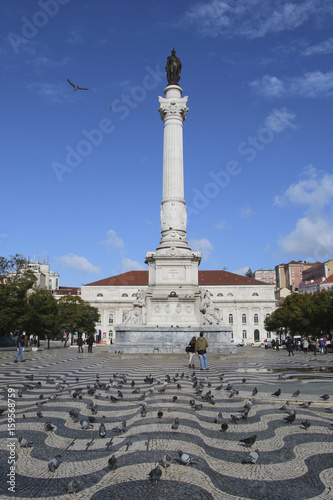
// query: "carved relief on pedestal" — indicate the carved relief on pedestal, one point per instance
point(173, 216)
point(178, 308)
point(136, 315)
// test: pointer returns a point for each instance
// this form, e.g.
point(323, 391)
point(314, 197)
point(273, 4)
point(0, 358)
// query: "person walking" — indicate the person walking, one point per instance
point(80, 343)
point(20, 345)
point(90, 342)
point(191, 351)
point(290, 346)
point(200, 347)
point(277, 344)
point(322, 345)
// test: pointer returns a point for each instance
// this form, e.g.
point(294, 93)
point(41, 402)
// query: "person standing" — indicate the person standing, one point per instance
point(290, 346)
point(200, 347)
point(277, 344)
point(191, 352)
point(322, 345)
point(20, 345)
point(90, 342)
point(80, 343)
point(305, 345)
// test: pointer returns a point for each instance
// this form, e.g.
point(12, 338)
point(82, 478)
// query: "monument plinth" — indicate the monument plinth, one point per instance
point(173, 308)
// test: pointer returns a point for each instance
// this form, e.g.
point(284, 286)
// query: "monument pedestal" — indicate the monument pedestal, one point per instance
point(149, 340)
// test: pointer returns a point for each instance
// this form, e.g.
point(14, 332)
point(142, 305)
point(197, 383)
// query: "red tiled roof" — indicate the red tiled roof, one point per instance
point(329, 279)
point(208, 278)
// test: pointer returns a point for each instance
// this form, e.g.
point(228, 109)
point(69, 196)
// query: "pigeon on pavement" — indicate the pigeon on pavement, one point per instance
point(175, 424)
point(112, 463)
point(166, 461)
point(184, 458)
point(73, 486)
point(252, 458)
point(276, 393)
point(54, 463)
point(249, 442)
point(102, 430)
point(155, 474)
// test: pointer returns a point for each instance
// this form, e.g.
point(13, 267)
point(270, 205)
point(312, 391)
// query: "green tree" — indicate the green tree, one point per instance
point(41, 315)
point(75, 315)
point(249, 273)
point(15, 281)
point(323, 311)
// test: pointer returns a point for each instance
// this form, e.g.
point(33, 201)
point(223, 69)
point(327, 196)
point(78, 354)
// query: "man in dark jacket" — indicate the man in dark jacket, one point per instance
point(290, 346)
point(20, 345)
point(90, 342)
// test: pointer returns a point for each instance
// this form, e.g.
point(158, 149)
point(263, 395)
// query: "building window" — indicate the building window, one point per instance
point(99, 295)
point(134, 295)
point(256, 319)
point(124, 295)
point(231, 319)
point(232, 335)
point(230, 294)
point(269, 335)
point(99, 319)
point(110, 319)
point(243, 319)
point(220, 294)
point(256, 335)
point(244, 334)
point(255, 294)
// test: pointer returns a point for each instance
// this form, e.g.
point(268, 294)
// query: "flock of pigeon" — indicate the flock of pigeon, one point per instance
point(155, 397)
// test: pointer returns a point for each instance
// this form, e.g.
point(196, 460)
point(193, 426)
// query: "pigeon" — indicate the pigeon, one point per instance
point(112, 463)
point(19, 393)
point(155, 474)
point(179, 386)
point(219, 387)
point(234, 418)
point(39, 414)
point(54, 463)
point(73, 486)
point(102, 430)
point(76, 87)
point(184, 458)
point(306, 424)
point(325, 397)
point(252, 458)
point(192, 402)
point(175, 424)
point(166, 461)
point(29, 377)
point(136, 391)
point(224, 426)
point(197, 407)
point(276, 393)
point(306, 404)
point(290, 419)
point(174, 399)
point(296, 393)
point(120, 428)
point(24, 443)
point(249, 442)
point(48, 426)
point(219, 418)
point(160, 414)
point(284, 407)
point(113, 399)
point(143, 412)
point(133, 383)
point(244, 380)
point(85, 425)
point(255, 391)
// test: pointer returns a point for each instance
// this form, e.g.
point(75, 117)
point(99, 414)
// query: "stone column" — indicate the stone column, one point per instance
point(173, 215)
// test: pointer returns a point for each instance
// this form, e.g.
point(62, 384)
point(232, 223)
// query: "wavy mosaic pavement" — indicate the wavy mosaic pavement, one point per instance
point(294, 463)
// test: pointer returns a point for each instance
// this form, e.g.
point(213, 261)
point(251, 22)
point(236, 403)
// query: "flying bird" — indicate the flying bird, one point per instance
point(76, 87)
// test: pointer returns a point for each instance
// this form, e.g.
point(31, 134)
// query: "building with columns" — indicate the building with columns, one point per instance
point(163, 307)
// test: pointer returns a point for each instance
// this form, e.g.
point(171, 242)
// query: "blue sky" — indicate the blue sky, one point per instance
point(82, 183)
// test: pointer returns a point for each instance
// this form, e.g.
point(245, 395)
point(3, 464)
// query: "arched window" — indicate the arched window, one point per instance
point(124, 295)
point(255, 294)
point(243, 319)
point(244, 334)
point(99, 295)
point(220, 294)
point(256, 319)
point(230, 294)
point(134, 295)
point(231, 319)
point(110, 319)
point(256, 335)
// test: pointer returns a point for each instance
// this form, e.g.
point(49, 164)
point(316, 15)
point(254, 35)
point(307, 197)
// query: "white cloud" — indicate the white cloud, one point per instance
point(131, 265)
point(252, 18)
point(245, 212)
point(325, 47)
point(279, 119)
point(113, 240)
point(204, 246)
point(315, 191)
point(311, 85)
point(221, 225)
point(312, 236)
point(241, 271)
point(52, 93)
point(79, 263)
